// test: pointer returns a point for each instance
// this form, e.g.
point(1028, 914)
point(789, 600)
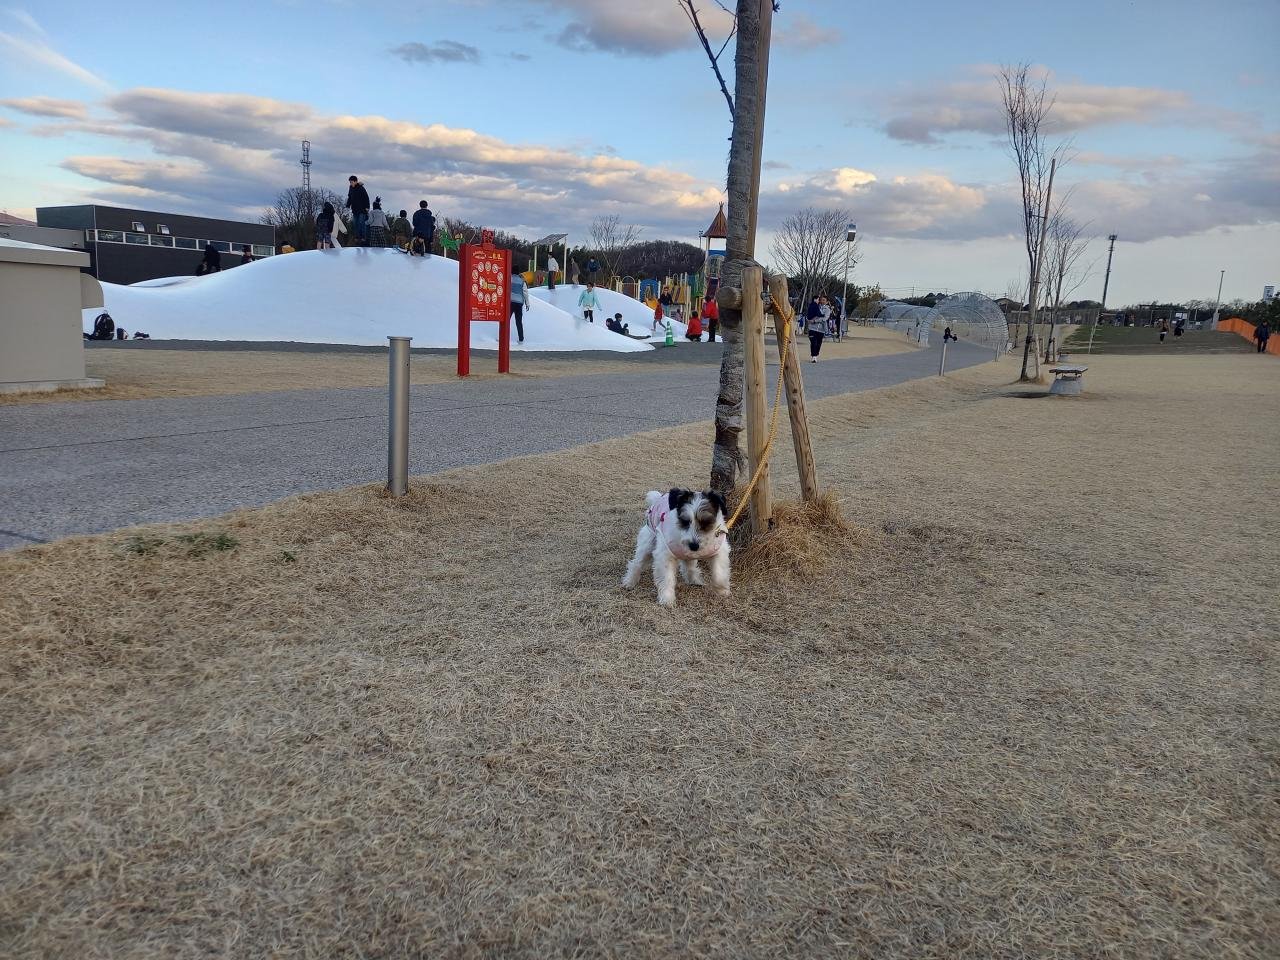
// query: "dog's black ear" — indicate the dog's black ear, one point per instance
point(716, 501)
point(678, 497)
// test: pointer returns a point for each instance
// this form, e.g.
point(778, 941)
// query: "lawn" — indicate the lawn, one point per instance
point(1108, 339)
point(984, 717)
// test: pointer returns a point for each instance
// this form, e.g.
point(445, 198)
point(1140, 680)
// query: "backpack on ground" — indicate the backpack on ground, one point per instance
point(103, 326)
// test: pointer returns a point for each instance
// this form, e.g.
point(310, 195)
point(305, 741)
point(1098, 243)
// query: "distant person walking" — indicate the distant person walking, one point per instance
point(519, 300)
point(593, 268)
point(573, 271)
point(400, 231)
point(814, 325)
point(589, 303)
point(1262, 333)
point(552, 266)
point(424, 229)
point(379, 227)
point(1164, 328)
point(212, 262)
point(358, 201)
point(325, 220)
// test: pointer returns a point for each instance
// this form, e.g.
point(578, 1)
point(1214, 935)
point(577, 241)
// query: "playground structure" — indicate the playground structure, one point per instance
point(969, 315)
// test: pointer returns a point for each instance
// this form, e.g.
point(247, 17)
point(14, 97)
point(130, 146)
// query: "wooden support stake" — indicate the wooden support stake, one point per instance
point(794, 387)
point(757, 392)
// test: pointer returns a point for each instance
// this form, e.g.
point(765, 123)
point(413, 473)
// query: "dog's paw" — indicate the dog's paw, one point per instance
point(666, 600)
point(722, 591)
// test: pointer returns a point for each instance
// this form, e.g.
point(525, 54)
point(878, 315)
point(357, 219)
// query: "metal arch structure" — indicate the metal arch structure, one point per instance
point(970, 315)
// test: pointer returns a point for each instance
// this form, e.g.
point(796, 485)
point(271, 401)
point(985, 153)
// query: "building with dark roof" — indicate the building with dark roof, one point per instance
point(127, 246)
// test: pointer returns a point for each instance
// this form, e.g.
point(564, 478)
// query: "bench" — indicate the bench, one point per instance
point(1068, 381)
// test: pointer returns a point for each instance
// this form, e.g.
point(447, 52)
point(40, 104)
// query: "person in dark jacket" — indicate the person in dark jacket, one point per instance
point(1261, 334)
point(324, 227)
point(212, 262)
point(593, 267)
point(815, 327)
point(424, 227)
point(358, 201)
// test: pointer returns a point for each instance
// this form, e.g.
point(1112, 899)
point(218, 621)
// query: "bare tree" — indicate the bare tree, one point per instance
point(613, 240)
point(810, 246)
point(1027, 105)
point(1064, 272)
point(294, 215)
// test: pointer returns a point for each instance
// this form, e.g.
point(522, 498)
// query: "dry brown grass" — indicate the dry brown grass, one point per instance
point(1026, 707)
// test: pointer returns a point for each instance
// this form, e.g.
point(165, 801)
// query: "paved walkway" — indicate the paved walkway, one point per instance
point(71, 468)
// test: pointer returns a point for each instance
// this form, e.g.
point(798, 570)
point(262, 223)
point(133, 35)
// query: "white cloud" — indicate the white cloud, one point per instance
point(38, 52)
point(800, 32)
point(924, 114)
point(646, 27)
point(47, 107)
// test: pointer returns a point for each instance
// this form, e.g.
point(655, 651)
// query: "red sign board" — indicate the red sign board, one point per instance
point(484, 296)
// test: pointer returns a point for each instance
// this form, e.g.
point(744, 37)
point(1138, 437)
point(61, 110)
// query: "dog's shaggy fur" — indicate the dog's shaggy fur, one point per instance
point(682, 528)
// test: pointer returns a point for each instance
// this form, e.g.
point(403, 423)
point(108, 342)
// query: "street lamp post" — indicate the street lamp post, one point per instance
point(1217, 304)
point(850, 235)
point(1106, 281)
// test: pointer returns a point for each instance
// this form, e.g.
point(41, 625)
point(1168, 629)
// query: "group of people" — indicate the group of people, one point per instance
point(371, 227)
point(821, 320)
point(211, 262)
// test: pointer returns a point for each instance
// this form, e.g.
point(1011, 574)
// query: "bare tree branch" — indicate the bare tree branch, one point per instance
point(691, 12)
point(810, 246)
point(613, 240)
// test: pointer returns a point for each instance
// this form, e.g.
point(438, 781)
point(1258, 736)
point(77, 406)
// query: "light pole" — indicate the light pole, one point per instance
point(1213, 324)
point(1106, 281)
point(850, 235)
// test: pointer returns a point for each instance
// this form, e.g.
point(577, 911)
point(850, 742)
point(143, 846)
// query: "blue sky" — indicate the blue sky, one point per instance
point(536, 116)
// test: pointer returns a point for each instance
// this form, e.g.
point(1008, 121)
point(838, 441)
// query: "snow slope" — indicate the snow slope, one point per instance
point(635, 313)
point(354, 296)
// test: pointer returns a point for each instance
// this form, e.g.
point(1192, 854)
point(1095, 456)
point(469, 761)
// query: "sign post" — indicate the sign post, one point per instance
point(484, 296)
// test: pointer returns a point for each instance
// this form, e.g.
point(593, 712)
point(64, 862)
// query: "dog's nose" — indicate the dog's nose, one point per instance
point(694, 545)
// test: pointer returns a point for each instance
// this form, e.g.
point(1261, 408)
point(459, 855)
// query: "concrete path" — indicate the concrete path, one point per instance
point(72, 468)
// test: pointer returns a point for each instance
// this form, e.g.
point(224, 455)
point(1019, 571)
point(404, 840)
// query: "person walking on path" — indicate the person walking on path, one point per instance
point(593, 268)
point(1164, 328)
point(400, 231)
point(573, 272)
point(694, 330)
point(379, 228)
point(814, 326)
point(711, 312)
point(324, 227)
point(552, 266)
point(424, 228)
point(1262, 333)
point(358, 201)
point(589, 303)
point(519, 300)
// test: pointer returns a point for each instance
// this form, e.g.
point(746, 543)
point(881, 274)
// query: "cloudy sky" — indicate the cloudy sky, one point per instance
point(537, 115)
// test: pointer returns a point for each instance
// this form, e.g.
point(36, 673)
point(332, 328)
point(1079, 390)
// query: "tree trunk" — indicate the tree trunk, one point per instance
point(727, 459)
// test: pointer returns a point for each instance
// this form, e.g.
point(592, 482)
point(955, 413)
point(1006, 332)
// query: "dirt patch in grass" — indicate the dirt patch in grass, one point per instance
point(1016, 699)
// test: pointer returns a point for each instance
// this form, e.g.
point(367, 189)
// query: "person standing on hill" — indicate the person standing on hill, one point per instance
point(711, 313)
point(378, 225)
point(1262, 333)
point(552, 266)
point(400, 231)
point(589, 303)
point(593, 267)
point(358, 201)
point(424, 228)
point(324, 227)
point(573, 271)
point(212, 262)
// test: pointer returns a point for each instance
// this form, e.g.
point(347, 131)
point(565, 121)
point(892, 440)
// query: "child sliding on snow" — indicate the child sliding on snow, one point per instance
point(589, 303)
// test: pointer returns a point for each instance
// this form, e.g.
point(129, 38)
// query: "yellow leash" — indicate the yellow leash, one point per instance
point(785, 334)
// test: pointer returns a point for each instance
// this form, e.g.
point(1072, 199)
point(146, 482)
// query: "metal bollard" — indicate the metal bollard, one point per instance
point(942, 361)
point(398, 417)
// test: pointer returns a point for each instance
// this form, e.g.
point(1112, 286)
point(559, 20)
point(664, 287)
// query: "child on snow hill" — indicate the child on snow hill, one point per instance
point(379, 228)
point(324, 227)
point(588, 302)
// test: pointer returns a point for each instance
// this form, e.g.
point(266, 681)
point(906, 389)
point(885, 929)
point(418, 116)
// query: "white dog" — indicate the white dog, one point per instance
point(682, 527)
